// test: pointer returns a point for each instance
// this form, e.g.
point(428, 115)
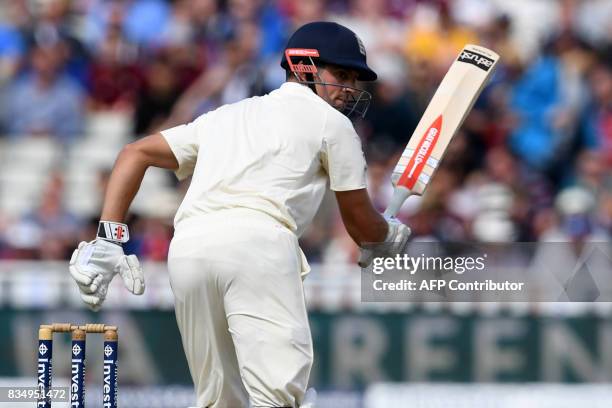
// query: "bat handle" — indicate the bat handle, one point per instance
point(400, 194)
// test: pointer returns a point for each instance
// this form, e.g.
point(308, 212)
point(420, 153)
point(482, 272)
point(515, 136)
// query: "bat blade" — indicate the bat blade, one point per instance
point(444, 115)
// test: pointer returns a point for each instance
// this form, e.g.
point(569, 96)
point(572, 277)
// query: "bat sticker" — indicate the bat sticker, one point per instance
point(476, 59)
point(422, 153)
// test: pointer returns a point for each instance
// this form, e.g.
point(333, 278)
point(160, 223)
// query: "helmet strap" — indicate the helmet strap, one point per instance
point(310, 82)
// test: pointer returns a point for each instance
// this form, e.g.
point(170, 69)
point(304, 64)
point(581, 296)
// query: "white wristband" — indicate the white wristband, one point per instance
point(113, 231)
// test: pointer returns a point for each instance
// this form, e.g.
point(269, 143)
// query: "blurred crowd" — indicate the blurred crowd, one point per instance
point(533, 161)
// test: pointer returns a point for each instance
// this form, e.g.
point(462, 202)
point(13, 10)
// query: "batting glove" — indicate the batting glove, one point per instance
point(395, 243)
point(94, 264)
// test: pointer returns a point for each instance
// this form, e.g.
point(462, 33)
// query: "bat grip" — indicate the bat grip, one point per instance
point(400, 194)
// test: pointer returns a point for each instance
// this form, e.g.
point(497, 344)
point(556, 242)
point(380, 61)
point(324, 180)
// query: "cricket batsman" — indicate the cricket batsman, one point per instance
point(259, 170)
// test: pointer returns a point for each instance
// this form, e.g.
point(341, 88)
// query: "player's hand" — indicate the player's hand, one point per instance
point(395, 243)
point(93, 266)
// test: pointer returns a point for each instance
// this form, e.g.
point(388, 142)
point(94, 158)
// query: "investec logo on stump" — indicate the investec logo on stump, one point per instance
point(75, 387)
point(44, 372)
point(77, 367)
point(107, 383)
point(42, 365)
point(109, 366)
point(41, 380)
point(77, 370)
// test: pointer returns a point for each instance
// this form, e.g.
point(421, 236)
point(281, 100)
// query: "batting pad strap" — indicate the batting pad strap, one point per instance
point(113, 231)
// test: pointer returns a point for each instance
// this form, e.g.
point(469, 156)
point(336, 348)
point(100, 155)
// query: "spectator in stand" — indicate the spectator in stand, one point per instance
point(497, 35)
point(211, 27)
point(115, 77)
point(434, 38)
point(430, 44)
point(435, 219)
point(55, 26)
point(46, 101)
point(180, 44)
point(160, 92)
point(146, 21)
point(597, 116)
point(235, 77)
point(593, 175)
point(156, 239)
point(547, 100)
point(272, 27)
point(392, 117)
point(97, 17)
point(55, 227)
point(12, 49)
point(593, 172)
point(179, 29)
point(576, 207)
point(532, 191)
point(271, 24)
point(380, 33)
point(301, 12)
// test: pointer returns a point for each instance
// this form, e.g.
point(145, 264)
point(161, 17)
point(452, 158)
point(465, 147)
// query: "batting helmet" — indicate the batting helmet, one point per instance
point(336, 45)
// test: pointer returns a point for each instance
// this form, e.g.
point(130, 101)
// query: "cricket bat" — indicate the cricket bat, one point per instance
point(444, 115)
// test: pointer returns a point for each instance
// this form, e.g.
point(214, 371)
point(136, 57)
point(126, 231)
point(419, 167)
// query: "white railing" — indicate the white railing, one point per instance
point(329, 288)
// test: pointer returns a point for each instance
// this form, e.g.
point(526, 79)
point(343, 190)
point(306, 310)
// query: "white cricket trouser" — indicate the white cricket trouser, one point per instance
point(240, 309)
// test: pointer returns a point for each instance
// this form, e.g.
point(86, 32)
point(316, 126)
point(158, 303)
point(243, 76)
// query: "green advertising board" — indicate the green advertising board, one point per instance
point(351, 349)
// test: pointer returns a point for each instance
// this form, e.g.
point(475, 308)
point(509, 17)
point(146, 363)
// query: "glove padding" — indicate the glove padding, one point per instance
point(395, 243)
point(93, 266)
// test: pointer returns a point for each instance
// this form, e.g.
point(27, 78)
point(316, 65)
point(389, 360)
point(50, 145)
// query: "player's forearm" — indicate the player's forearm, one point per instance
point(372, 228)
point(363, 223)
point(124, 182)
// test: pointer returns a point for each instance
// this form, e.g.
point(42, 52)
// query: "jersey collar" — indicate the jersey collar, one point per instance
point(294, 87)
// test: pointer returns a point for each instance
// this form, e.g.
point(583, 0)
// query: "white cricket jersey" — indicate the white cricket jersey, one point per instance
point(274, 153)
